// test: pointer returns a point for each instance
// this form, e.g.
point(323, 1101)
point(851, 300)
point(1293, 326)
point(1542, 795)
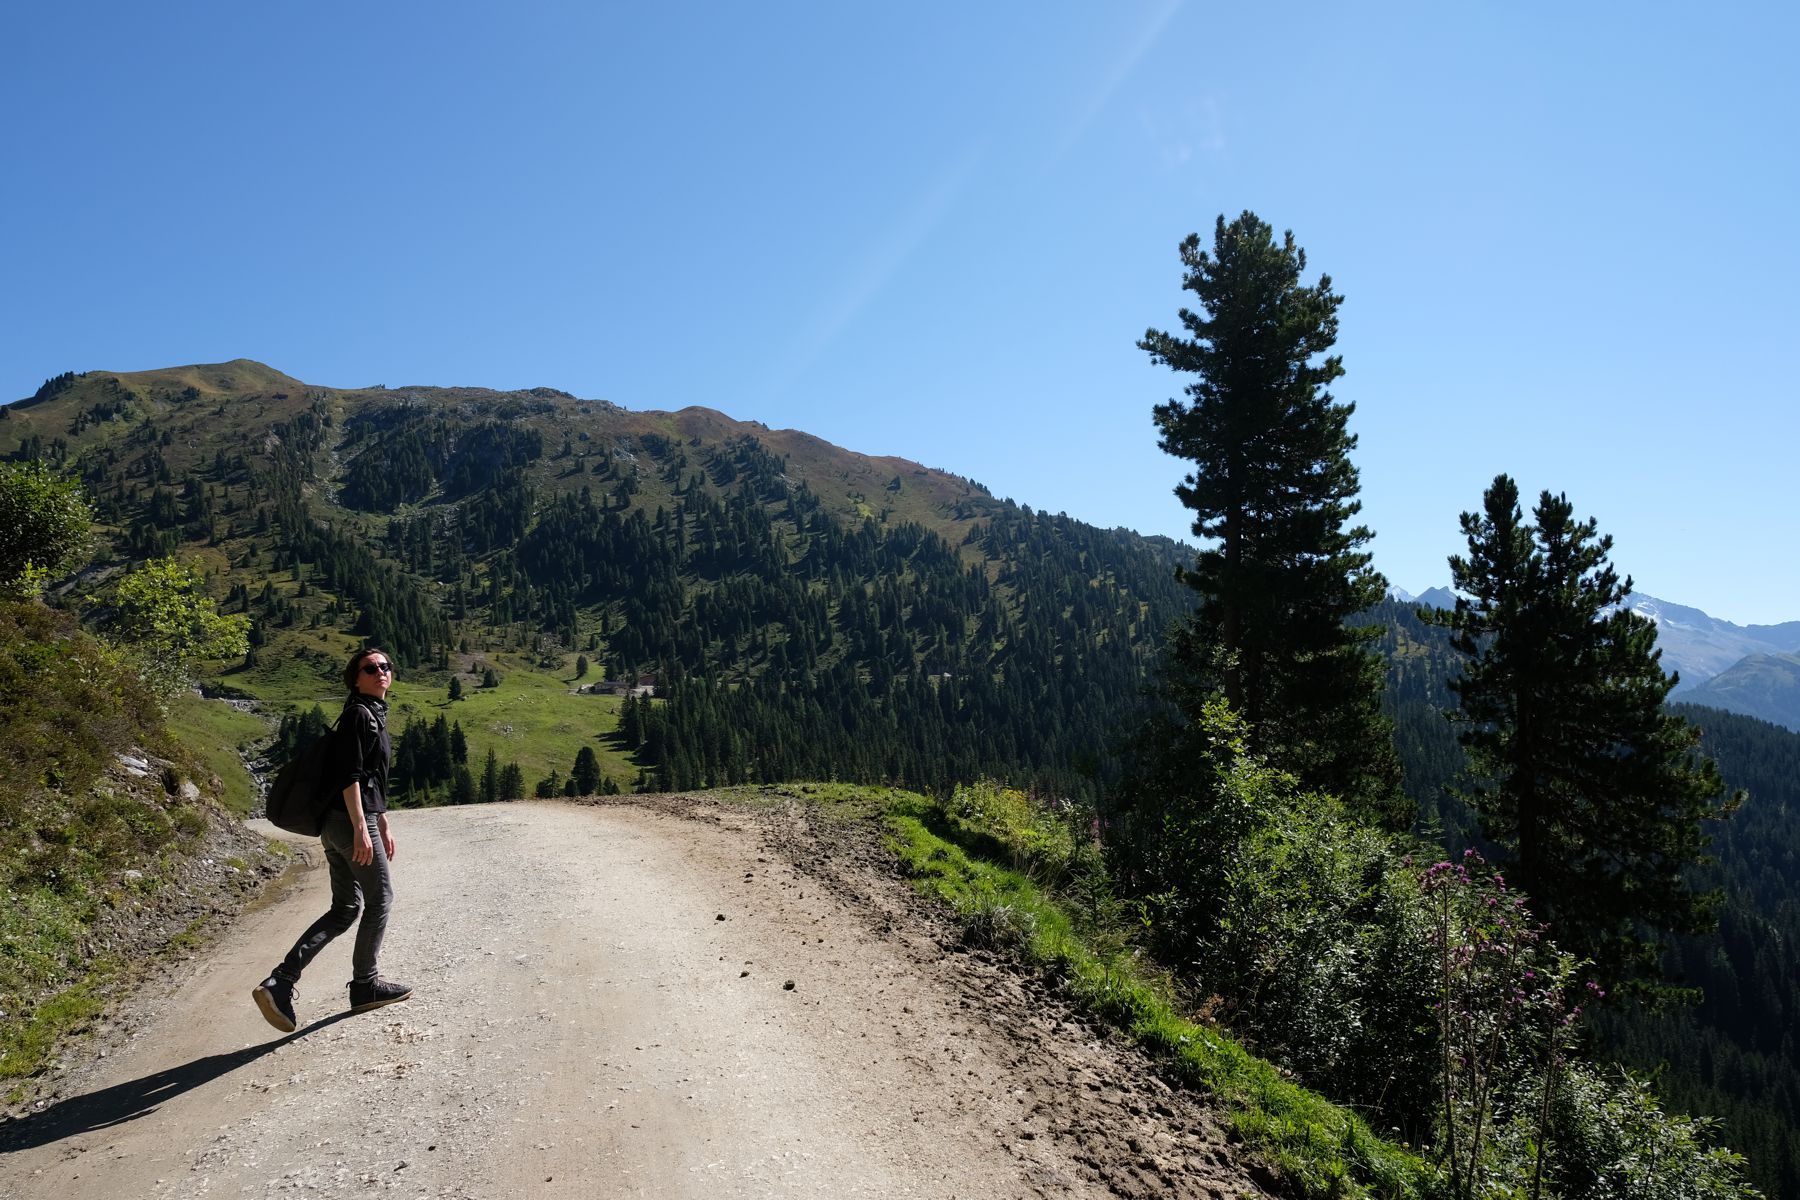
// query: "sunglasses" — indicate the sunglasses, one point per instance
point(380, 668)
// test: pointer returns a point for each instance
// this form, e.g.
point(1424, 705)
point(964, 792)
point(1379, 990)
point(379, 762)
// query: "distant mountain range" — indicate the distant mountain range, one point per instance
point(1749, 669)
point(1701, 646)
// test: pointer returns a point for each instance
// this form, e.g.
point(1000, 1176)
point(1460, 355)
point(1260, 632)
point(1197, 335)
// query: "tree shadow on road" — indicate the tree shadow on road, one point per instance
point(134, 1098)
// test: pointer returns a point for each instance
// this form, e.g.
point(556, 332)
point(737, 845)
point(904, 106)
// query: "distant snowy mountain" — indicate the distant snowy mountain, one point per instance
point(1700, 646)
point(1694, 644)
point(1400, 594)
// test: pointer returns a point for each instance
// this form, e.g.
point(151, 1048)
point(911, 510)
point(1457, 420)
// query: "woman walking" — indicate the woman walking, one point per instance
point(358, 848)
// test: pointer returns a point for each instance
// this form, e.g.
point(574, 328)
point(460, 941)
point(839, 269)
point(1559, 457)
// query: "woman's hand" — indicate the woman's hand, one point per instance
point(363, 852)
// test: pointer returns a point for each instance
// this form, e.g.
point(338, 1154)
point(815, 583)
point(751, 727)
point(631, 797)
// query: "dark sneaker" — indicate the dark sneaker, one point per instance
point(375, 993)
point(275, 996)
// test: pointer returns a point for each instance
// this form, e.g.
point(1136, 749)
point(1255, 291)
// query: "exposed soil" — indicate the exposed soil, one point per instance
point(659, 997)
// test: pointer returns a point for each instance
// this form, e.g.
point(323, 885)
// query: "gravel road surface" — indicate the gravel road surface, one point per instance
point(677, 999)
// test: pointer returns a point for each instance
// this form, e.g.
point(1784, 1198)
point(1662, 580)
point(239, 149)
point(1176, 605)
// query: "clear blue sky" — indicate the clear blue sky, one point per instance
point(1565, 234)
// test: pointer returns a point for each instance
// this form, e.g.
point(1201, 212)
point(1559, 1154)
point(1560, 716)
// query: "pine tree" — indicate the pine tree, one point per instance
point(1592, 787)
point(631, 728)
point(490, 778)
point(439, 757)
point(586, 775)
point(1281, 571)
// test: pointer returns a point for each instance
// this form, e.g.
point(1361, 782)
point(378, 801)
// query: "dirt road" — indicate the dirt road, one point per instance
point(691, 1000)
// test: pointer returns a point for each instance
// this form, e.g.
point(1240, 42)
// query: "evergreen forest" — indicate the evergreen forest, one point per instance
point(807, 614)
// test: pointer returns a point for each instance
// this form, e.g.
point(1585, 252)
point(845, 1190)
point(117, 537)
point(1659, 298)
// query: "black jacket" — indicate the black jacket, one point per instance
point(362, 751)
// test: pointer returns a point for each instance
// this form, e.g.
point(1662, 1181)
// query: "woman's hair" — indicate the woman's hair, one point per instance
point(353, 668)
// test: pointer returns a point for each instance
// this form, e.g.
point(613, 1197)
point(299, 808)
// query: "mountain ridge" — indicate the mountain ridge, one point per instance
point(1766, 686)
point(866, 479)
point(1694, 644)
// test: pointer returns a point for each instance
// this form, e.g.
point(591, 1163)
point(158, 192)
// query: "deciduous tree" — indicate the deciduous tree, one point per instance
point(45, 528)
point(162, 615)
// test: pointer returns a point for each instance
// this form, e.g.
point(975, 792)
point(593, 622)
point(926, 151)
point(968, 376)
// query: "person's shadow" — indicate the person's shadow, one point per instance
point(134, 1098)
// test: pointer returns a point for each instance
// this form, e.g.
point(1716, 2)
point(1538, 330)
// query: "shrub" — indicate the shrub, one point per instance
point(1502, 1017)
point(66, 704)
point(1291, 923)
point(45, 528)
point(164, 619)
point(992, 919)
point(1032, 833)
point(1613, 1139)
point(1519, 1116)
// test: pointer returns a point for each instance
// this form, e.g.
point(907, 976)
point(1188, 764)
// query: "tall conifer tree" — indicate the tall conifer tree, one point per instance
point(1589, 783)
point(586, 776)
point(1282, 571)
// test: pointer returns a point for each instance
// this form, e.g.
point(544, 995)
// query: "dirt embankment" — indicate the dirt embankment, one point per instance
point(668, 999)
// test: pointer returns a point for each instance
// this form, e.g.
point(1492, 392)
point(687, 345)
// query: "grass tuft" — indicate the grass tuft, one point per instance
point(25, 1046)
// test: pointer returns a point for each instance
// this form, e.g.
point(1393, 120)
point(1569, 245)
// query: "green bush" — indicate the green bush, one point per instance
point(1032, 834)
point(161, 616)
point(1609, 1137)
point(1422, 995)
point(45, 528)
point(69, 827)
point(1287, 921)
point(67, 703)
point(1320, 1149)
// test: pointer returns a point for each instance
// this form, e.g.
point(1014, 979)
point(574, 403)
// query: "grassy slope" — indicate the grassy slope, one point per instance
point(1765, 686)
point(106, 812)
point(1317, 1148)
point(535, 718)
point(219, 737)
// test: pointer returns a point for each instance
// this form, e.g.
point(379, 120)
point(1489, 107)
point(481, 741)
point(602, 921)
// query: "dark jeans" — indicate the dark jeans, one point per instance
point(368, 889)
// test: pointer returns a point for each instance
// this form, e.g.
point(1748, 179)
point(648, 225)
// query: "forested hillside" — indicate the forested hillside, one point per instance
point(1766, 686)
point(803, 611)
point(1734, 1055)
